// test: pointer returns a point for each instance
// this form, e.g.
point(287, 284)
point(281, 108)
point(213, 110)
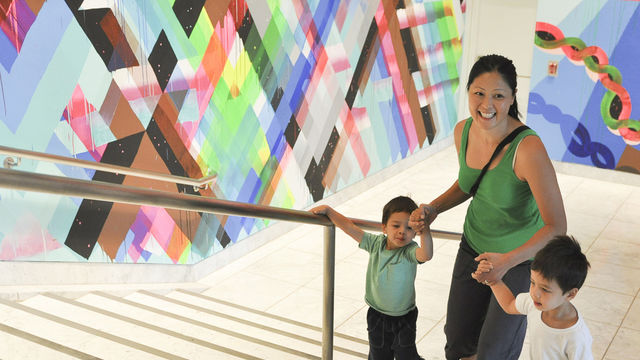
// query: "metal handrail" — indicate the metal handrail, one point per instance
point(116, 169)
point(97, 190)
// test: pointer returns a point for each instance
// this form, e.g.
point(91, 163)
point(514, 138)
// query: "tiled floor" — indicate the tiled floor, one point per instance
point(284, 276)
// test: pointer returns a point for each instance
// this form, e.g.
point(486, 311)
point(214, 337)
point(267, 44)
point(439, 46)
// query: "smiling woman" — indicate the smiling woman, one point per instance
point(515, 211)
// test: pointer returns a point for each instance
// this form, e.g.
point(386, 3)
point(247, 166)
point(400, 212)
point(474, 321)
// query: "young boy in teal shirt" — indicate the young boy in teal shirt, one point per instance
point(391, 272)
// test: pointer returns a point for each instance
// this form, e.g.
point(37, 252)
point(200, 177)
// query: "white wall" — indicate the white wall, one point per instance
point(505, 27)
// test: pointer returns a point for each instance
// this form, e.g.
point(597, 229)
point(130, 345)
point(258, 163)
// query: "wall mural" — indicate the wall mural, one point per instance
point(584, 114)
point(286, 101)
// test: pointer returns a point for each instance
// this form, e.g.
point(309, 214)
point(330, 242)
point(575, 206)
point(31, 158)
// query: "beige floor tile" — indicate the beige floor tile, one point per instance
point(628, 212)
point(611, 277)
point(313, 242)
point(585, 224)
point(602, 305)
point(602, 335)
point(438, 269)
point(431, 299)
point(252, 290)
point(615, 252)
point(431, 345)
point(349, 281)
point(293, 266)
point(632, 320)
point(568, 183)
point(623, 231)
point(306, 305)
point(597, 198)
point(634, 198)
point(356, 324)
point(625, 345)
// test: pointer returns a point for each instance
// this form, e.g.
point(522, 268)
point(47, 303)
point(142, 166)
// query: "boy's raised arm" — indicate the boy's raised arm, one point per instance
point(425, 252)
point(505, 297)
point(340, 221)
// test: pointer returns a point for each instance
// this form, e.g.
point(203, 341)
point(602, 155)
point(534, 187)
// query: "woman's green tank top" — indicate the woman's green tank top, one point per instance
point(503, 214)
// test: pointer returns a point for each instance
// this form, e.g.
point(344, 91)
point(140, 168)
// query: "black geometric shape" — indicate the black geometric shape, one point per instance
point(363, 60)
point(187, 12)
point(315, 172)
point(427, 118)
point(163, 60)
point(245, 28)
point(90, 22)
point(258, 55)
point(410, 50)
point(87, 225)
point(178, 98)
point(277, 96)
point(119, 152)
point(292, 131)
point(166, 154)
point(223, 237)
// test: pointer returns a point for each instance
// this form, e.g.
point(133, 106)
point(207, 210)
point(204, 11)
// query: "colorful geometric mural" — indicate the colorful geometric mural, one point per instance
point(287, 101)
point(585, 114)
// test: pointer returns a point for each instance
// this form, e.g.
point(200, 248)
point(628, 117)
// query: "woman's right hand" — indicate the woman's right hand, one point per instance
point(422, 217)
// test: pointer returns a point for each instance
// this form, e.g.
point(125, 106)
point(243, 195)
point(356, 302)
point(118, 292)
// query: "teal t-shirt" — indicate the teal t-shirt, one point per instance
point(391, 275)
point(503, 214)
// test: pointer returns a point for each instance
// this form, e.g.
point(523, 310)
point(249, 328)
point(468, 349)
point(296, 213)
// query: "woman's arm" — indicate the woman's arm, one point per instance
point(533, 166)
point(453, 197)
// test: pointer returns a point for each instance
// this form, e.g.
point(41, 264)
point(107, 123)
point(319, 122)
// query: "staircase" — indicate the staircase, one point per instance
point(181, 323)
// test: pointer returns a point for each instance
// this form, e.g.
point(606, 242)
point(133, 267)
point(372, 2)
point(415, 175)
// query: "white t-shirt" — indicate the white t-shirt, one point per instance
point(547, 343)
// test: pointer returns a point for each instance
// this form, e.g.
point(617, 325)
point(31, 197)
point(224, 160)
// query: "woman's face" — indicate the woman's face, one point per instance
point(489, 99)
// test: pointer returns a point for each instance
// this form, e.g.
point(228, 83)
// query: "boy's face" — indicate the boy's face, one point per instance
point(398, 232)
point(547, 294)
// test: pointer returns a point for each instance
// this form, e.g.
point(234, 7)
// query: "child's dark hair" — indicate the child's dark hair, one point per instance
point(504, 67)
point(398, 204)
point(563, 261)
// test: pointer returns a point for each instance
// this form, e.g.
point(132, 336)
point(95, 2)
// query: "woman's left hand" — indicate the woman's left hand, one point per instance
point(500, 267)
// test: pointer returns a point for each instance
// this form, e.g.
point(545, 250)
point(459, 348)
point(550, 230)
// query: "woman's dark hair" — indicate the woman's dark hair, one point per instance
point(397, 204)
point(504, 67)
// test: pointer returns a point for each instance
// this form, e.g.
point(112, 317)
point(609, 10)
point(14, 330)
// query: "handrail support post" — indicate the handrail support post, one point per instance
point(328, 291)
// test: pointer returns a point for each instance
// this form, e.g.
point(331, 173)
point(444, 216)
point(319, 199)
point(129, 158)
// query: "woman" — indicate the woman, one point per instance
point(516, 210)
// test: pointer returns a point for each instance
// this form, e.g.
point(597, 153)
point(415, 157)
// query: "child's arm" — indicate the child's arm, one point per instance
point(505, 297)
point(425, 252)
point(502, 293)
point(340, 221)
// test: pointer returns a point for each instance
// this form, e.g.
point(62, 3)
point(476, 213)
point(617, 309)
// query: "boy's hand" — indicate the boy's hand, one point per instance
point(499, 267)
point(483, 267)
point(321, 209)
point(422, 217)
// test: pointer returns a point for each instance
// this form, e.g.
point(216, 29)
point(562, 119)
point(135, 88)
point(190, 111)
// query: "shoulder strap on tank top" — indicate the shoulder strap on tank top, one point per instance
point(509, 138)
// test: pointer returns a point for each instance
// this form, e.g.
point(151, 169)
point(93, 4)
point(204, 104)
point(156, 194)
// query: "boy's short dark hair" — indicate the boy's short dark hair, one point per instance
point(398, 204)
point(563, 261)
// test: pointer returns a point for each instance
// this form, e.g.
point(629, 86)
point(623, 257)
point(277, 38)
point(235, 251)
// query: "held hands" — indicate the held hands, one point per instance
point(491, 268)
point(422, 217)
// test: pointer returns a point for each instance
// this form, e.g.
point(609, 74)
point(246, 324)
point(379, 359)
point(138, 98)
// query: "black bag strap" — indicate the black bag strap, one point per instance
point(509, 138)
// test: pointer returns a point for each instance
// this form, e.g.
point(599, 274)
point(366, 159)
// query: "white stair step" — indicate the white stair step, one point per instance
point(342, 343)
point(197, 325)
point(17, 344)
point(73, 335)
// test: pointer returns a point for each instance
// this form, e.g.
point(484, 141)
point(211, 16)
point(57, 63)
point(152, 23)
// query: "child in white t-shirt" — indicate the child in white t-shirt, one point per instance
point(556, 330)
